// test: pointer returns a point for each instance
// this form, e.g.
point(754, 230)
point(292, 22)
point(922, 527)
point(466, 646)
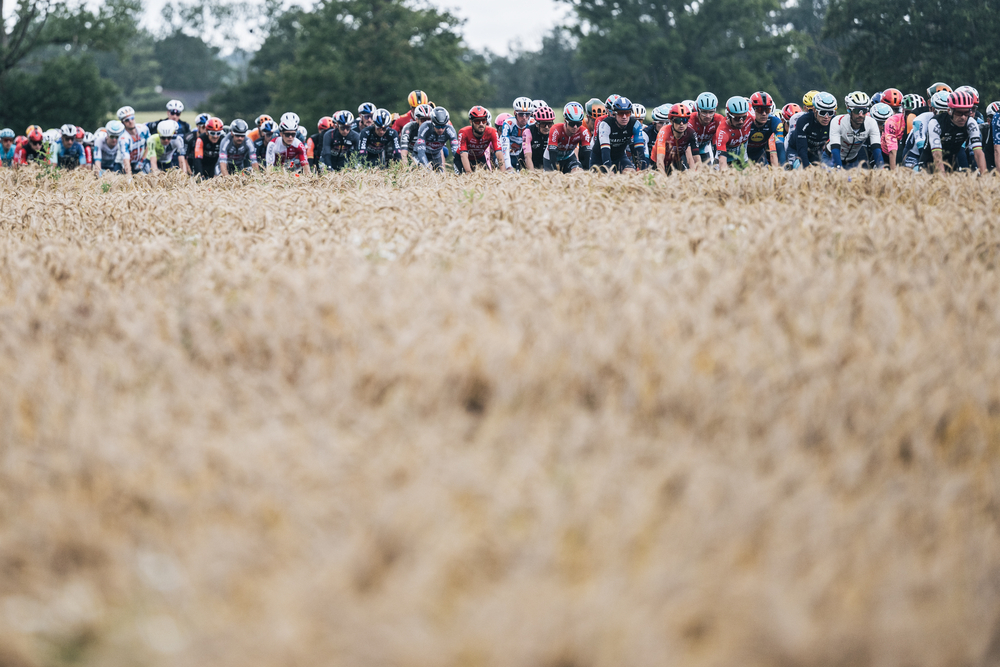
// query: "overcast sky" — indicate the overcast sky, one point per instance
point(489, 23)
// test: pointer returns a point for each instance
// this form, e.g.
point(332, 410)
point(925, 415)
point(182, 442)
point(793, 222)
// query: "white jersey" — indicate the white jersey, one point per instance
point(104, 155)
point(850, 140)
point(133, 146)
point(290, 157)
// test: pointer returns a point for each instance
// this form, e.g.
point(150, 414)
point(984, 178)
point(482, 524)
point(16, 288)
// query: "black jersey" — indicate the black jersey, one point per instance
point(379, 149)
point(811, 137)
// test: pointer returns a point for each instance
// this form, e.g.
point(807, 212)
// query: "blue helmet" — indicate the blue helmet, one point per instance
point(202, 119)
point(622, 104)
point(573, 112)
point(737, 105)
point(707, 102)
point(881, 112)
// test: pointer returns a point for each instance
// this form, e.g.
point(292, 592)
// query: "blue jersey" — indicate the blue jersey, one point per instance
point(761, 136)
point(7, 155)
point(67, 157)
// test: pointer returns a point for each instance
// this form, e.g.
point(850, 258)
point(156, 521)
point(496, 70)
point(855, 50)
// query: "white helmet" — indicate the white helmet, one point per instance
point(538, 104)
point(52, 136)
point(175, 105)
point(88, 138)
point(126, 112)
point(68, 130)
point(166, 128)
point(289, 121)
point(639, 111)
point(523, 104)
point(939, 100)
point(115, 128)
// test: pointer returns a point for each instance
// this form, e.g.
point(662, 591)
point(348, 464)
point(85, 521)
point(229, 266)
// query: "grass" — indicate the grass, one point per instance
point(412, 419)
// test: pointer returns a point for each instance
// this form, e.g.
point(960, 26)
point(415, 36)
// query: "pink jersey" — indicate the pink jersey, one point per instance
point(893, 132)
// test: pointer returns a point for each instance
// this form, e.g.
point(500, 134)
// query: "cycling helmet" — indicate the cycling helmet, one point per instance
point(238, 127)
point(268, 127)
point(825, 102)
point(203, 118)
point(382, 118)
point(706, 102)
point(6, 133)
point(892, 97)
point(68, 130)
point(972, 91)
point(992, 109)
point(939, 100)
point(913, 102)
point(53, 135)
point(807, 99)
point(215, 125)
point(260, 119)
point(523, 104)
point(175, 105)
point(858, 100)
point(545, 114)
point(762, 99)
point(79, 133)
point(324, 124)
point(166, 128)
point(537, 104)
point(595, 109)
point(125, 113)
point(115, 128)
point(790, 110)
point(881, 112)
point(875, 97)
point(573, 112)
point(622, 104)
point(503, 118)
point(289, 122)
point(422, 111)
point(938, 87)
point(478, 113)
point(88, 138)
point(609, 104)
point(300, 134)
point(343, 117)
point(679, 110)
point(440, 116)
point(367, 108)
point(737, 105)
point(36, 135)
point(416, 98)
point(961, 100)
point(661, 114)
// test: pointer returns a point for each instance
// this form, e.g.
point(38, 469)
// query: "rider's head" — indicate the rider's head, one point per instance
point(961, 106)
point(544, 117)
point(824, 107)
point(214, 129)
point(762, 106)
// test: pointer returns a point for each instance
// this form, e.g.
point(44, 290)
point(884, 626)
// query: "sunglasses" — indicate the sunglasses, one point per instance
point(860, 111)
point(739, 118)
point(523, 114)
point(173, 113)
point(288, 135)
point(479, 121)
point(214, 133)
point(572, 124)
point(962, 114)
point(826, 114)
point(544, 124)
point(762, 109)
point(129, 119)
point(679, 121)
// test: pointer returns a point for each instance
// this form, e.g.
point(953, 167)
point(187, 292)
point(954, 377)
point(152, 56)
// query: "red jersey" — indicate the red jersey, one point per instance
point(476, 147)
point(562, 144)
point(671, 146)
point(704, 133)
point(730, 139)
point(401, 122)
point(278, 153)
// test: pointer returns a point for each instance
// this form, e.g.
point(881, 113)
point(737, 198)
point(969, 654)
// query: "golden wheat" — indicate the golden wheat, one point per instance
point(407, 419)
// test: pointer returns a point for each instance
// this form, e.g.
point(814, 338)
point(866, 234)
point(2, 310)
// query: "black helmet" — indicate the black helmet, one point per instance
point(239, 126)
point(440, 116)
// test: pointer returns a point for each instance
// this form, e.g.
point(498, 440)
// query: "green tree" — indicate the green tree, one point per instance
point(552, 73)
point(67, 89)
point(188, 63)
point(910, 44)
point(344, 52)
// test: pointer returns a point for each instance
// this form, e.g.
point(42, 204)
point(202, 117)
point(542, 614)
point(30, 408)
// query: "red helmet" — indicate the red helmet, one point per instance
point(79, 133)
point(545, 114)
point(961, 100)
point(325, 123)
point(678, 111)
point(478, 113)
point(214, 125)
point(892, 97)
point(35, 135)
point(761, 99)
point(790, 110)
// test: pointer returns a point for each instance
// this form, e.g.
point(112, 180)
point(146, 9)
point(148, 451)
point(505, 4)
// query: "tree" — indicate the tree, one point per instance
point(551, 73)
point(188, 63)
point(345, 52)
point(910, 44)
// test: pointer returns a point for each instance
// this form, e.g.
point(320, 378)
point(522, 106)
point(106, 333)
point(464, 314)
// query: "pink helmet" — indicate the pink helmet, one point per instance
point(545, 114)
point(502, 118)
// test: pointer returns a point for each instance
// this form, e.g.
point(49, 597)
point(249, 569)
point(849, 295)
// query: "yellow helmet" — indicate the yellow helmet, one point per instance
point(416, 98)
point(807, 99)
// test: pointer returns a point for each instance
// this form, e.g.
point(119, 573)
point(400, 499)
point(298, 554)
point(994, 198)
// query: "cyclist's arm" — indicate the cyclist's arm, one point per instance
point(721, 141)
point(604, 143)
point(526, 148)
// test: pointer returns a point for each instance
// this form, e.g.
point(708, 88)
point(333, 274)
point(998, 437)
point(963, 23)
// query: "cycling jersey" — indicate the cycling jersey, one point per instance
point(989, 132)
point(134, 146)
point(512, 138)
point(916, 139)
point(672, 147)
point(562, 144)
point(476, 146)
point(183, 127)
point(704, 132)
point(765, 139)
point(893, 132)
point(67, 158)
point(103, 154)
point(24, 153)
point(849, 141)
point(533, 143)
point(288, 156)
point(206, 157)
point(430, 143)
point(615, 140)
point(408, 136)
point(943, 135)
point(811, 137)
point(379, 149)
point(402, 122)
point(165, 153)
point(732, 141)
point(314, 147)
point(243, 156)
point(7, 155)
point(338, 147)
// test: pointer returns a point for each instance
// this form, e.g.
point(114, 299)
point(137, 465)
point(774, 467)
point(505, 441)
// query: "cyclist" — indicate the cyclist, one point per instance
point(414, 99)
point(536, 137)
point(208, 149)
point(340, 141)
point(893, 98)
point(314, 145)
point(705, 123)
point(615, 135)
point(237, 150)
point(893, 131)
point(33, 148)
point(167, 147)
point(913, 106)
point(812, 130)
point(132, 146)
point(948, 134)
point(106, 147)
point(732, 136)
point(287, 150)
point(174, 110)
point(265, 134)
point(475, 140)
point(676, 142)
point(191, 138)
point(513, 136)
point(565, 140)
point(254, 135)
point(936, 88)
point(854, 136)
point(88, 148)
point(595, 112)
point(989, 130)
point(7, 147)
point(365, 113)
point(766, 144)
point(432, 138)
point(661, 118)
point(66, 152)
point(408, 136)
point(379, 142)
point(917, 139)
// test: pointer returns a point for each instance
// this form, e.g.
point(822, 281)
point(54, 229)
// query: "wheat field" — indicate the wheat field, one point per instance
point(407, 419)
